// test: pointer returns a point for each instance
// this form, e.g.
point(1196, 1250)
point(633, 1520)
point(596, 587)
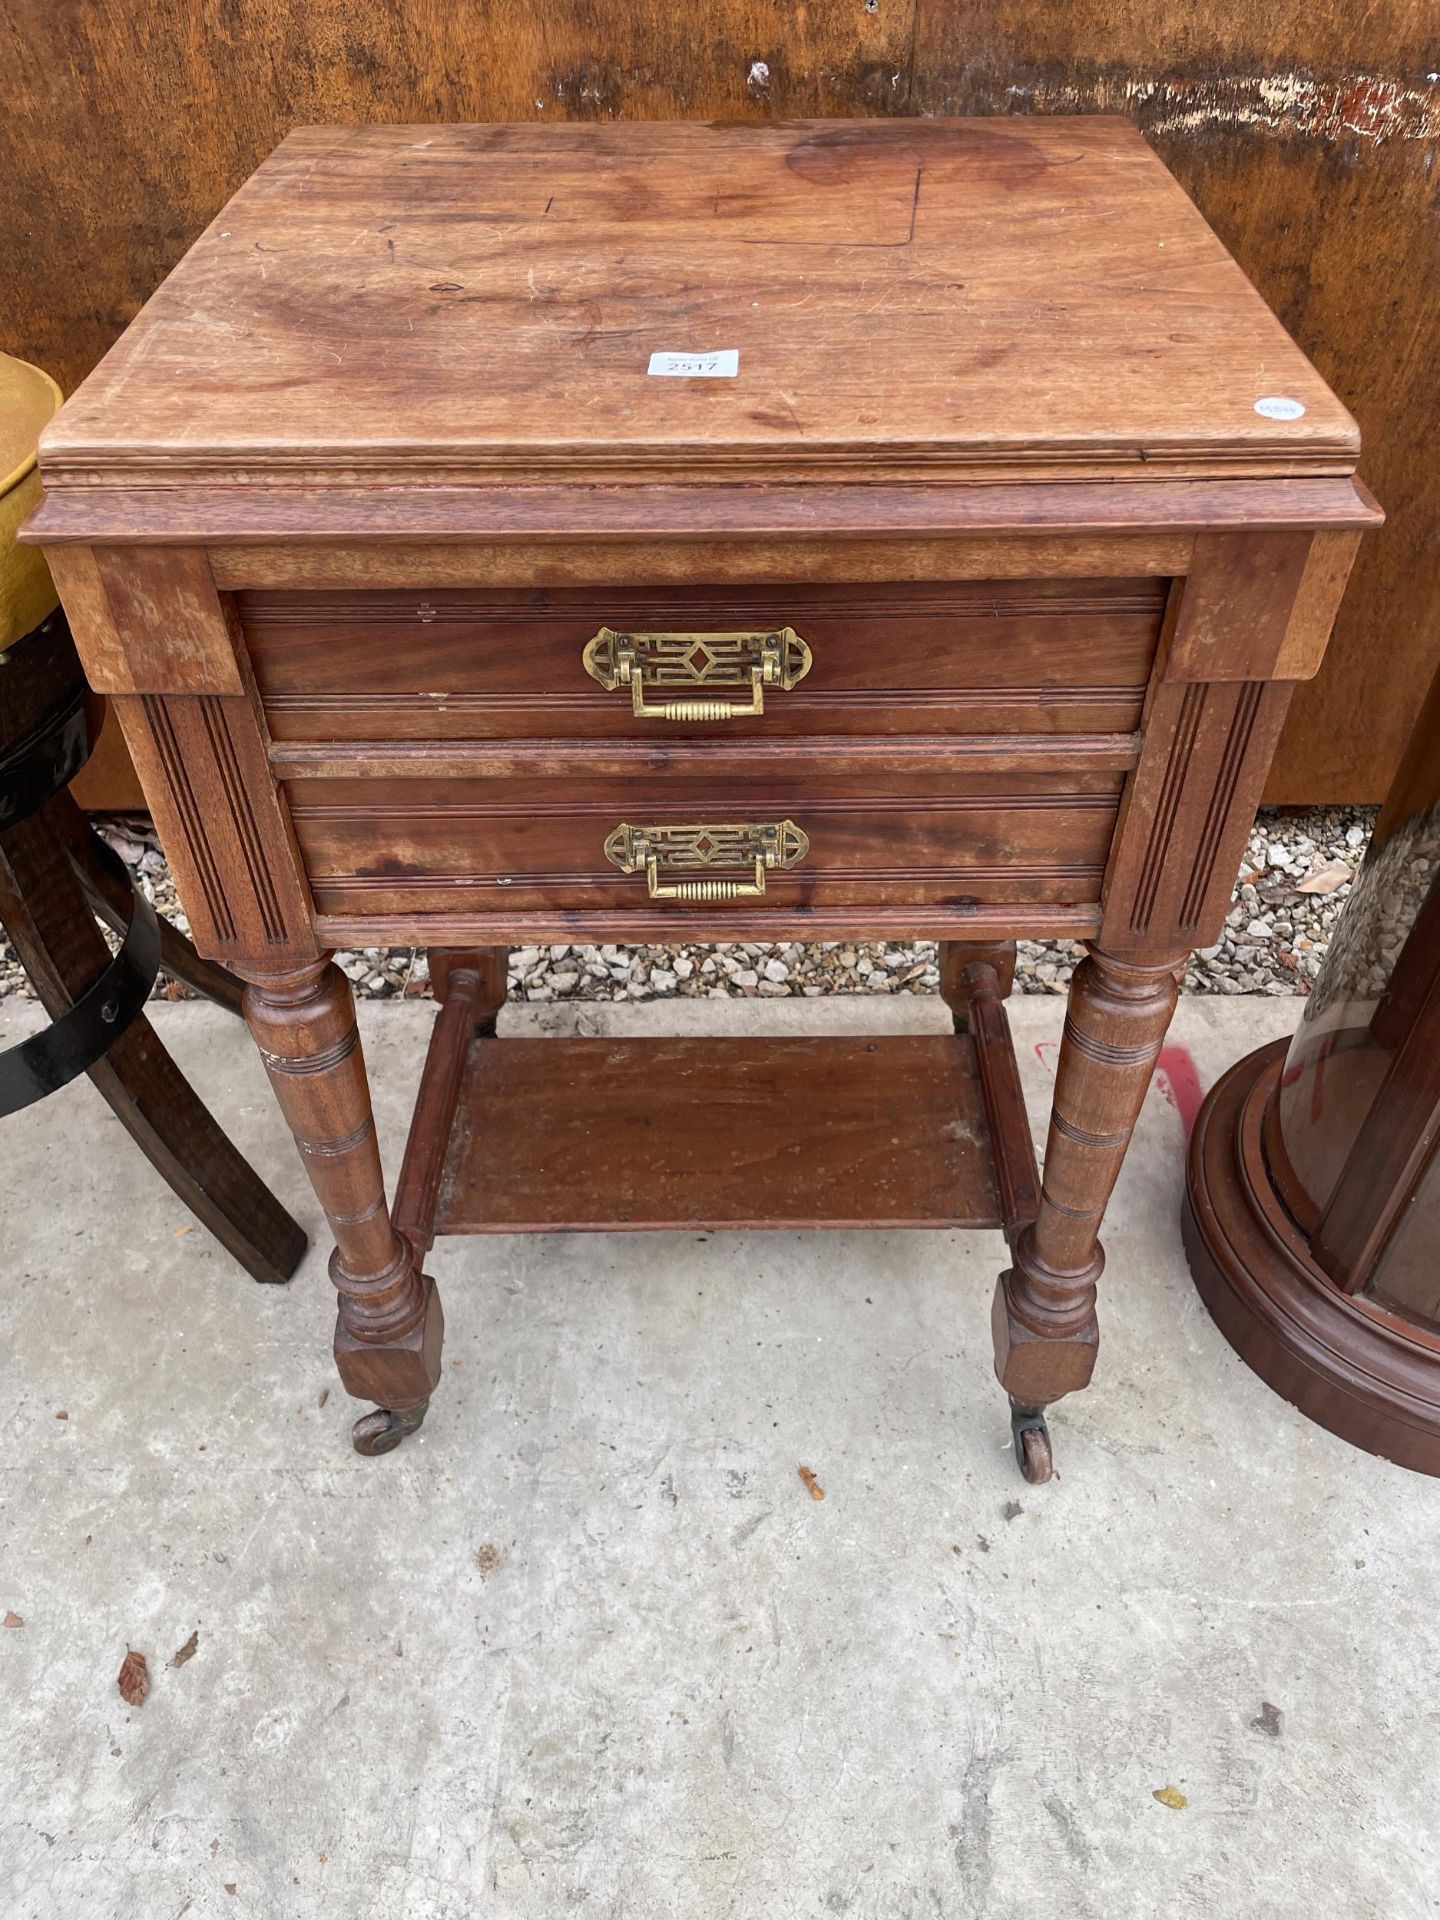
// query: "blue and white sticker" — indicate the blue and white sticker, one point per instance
point(1279, 406)
point(723, 364)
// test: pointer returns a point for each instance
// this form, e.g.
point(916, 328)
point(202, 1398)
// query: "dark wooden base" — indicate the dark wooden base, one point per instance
point(1345, 1363)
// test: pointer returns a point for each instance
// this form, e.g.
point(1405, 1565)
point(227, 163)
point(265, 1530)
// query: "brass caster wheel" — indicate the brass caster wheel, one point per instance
point(1033, 1452)
point(383, 1430)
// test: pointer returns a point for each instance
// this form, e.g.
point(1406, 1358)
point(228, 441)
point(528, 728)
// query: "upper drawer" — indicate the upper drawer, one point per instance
point(1042, 656)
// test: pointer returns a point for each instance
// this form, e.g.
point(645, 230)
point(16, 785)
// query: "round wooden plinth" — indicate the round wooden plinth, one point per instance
point(1367, 1375)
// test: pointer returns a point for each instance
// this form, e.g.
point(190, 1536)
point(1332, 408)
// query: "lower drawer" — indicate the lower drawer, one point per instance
point(506, 846)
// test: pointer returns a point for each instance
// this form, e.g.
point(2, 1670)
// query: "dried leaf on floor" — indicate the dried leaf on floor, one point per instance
point(133, 1679)
point(187, 1652)
point(812, 1485)
point(1325, 879)
point(13, 1620)
point(1171, 1797)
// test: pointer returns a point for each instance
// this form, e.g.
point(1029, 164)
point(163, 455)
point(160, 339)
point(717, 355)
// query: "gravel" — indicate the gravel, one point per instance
point(1292, 887)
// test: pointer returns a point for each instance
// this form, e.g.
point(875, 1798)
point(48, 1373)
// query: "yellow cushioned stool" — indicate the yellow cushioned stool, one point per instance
point(28, 397)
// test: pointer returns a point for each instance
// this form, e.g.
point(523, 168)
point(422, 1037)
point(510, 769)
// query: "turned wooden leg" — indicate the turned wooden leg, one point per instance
point(477, 975)
point(1044, 1321)
point(389, 1331)
point(956, 956)
point(470, 987)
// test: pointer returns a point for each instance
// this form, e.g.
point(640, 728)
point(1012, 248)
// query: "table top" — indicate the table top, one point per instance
point(911, 299)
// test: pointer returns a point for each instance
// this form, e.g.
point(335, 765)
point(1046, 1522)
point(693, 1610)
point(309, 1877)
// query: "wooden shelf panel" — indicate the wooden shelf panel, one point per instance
point(584, 1135)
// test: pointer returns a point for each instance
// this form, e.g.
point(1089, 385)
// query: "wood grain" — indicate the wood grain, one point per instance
point(422, 846)
point(1308, 136)
point(370, 334)
point(1305, 133)
point(956, 983)
point(739, 920)
point(76, 573)
point(1043, 1317)
point(390, 1328)
point(173, 629)
point(1317, 602)
point(447, 778)
point(1017, 1178)
point(1234, 616)
point(223, 823)
point(350, 564)
point(1034, 657)
point(565, 515)
point(1075, 754)
point(208, 91)
point(579, 1135)
point(470, 987)
point(1187, 810)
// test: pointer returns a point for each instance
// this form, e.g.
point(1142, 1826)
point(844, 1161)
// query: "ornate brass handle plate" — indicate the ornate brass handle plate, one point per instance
point(694, 849)
point(641, 661)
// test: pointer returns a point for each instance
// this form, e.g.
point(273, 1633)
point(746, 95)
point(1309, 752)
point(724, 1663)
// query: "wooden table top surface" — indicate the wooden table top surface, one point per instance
point(1003, 298)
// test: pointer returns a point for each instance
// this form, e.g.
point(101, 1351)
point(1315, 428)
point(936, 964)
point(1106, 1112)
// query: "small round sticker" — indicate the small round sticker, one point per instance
point(1279, 406)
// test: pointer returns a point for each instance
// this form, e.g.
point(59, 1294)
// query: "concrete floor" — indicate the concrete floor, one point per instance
point(587, 1646)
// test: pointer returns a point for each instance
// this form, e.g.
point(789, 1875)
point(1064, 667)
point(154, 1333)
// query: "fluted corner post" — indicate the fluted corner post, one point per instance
point(389, 1332)
point(1044, 1323)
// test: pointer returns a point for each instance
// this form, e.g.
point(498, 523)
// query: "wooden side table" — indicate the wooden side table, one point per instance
point(883, 529)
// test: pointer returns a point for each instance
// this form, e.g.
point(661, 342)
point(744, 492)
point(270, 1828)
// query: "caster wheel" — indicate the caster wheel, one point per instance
point(382, 1431)
point(1033, 1452)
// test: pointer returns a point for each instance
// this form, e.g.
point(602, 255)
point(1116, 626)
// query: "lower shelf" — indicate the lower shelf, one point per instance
point(623, 1135)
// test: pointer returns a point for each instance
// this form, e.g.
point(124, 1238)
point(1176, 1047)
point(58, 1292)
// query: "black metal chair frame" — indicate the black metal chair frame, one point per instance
point(56, 876)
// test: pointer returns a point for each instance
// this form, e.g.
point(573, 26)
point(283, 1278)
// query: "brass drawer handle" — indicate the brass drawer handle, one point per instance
point(703, 889)
point(694, 849)
point(775, 658)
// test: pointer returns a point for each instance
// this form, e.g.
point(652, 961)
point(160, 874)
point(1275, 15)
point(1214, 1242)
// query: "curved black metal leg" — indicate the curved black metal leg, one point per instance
point(109, 888)
point(45, 913)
